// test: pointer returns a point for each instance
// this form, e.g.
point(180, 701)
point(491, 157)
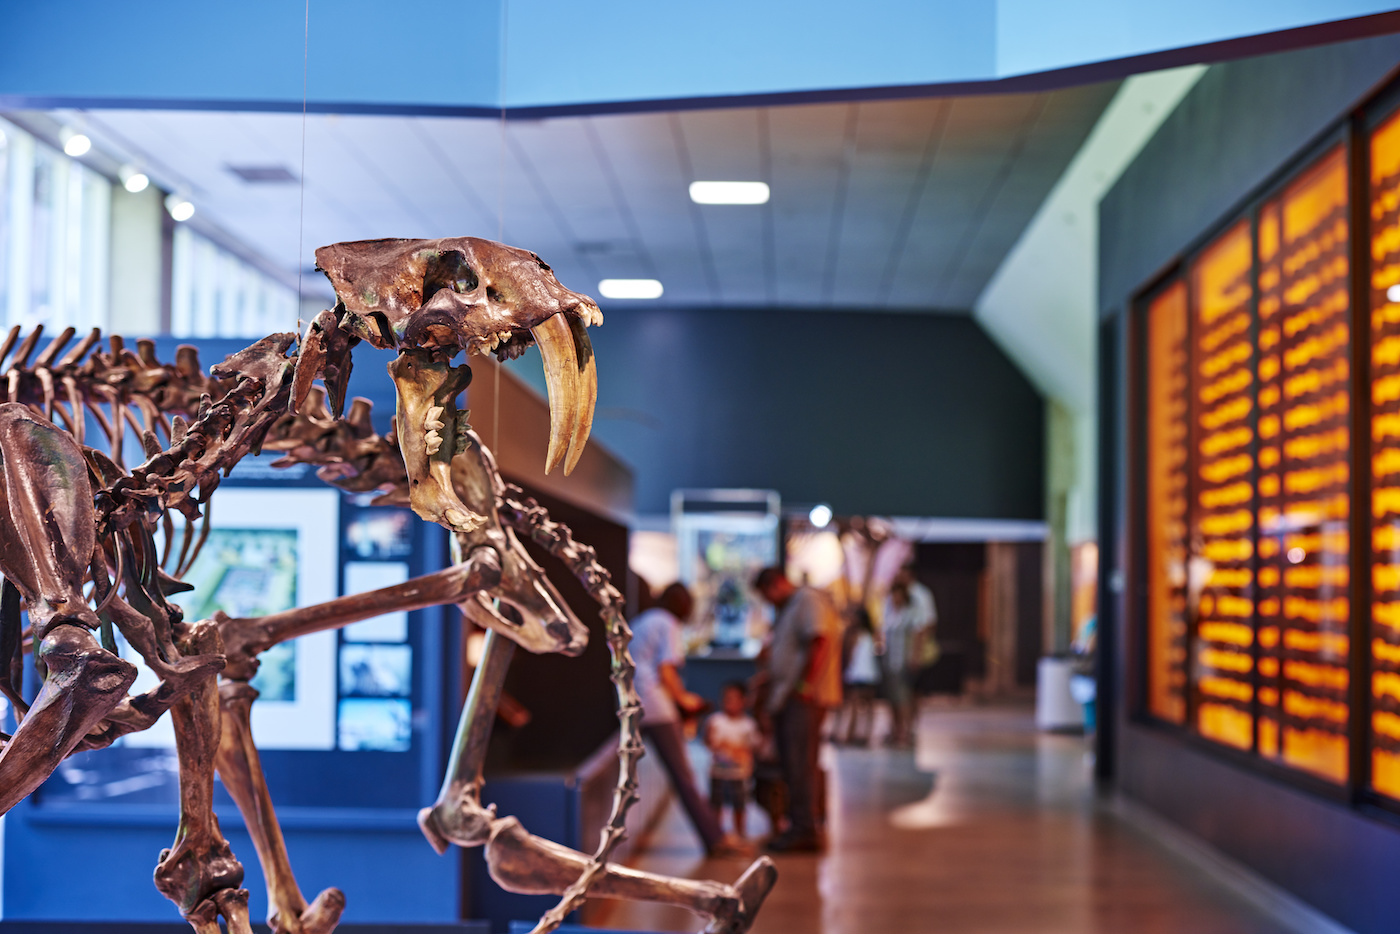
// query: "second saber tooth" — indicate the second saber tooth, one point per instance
point(572, 382)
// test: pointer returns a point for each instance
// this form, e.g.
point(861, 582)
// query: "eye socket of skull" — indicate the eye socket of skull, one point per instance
point(449, 270)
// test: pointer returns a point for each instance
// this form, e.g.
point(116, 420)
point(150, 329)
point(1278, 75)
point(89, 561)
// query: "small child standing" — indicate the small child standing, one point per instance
point(732, 736)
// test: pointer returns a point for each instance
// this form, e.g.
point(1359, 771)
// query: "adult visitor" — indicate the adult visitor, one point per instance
point(658, 655)
point(910, 646)
point(793, 701)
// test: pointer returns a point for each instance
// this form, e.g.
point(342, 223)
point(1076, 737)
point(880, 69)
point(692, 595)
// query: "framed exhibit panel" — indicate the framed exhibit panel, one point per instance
point(1305, 472)
point(268, 550)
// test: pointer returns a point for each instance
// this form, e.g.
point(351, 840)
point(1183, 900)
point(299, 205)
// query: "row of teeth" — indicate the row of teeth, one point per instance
point(591, 317)
point(434, 424)
point(489, 343)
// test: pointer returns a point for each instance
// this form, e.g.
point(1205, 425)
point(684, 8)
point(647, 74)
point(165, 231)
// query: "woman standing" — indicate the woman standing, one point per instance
point(908, 624)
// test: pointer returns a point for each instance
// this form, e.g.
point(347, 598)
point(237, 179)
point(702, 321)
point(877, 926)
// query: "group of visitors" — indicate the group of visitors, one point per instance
point(811, 653)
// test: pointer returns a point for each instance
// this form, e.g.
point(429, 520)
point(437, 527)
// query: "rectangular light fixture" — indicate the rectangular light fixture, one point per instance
point(729, 192)
point(630, 288)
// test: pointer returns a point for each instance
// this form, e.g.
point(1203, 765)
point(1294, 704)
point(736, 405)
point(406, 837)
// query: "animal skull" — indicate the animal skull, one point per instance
point(430, 300)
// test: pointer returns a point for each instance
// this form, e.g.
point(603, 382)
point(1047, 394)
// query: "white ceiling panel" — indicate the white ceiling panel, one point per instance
point(906, 205)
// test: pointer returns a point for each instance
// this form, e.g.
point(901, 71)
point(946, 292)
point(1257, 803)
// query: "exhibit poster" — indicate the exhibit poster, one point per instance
point(268, 550)
point(364, 576)
point(724, 538)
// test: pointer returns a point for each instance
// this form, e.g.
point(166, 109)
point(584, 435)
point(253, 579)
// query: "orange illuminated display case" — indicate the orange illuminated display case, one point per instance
point(1220, 570)
point(1255, 572)
point(1385, 459)
point(1166, 504)
point(1304, 612)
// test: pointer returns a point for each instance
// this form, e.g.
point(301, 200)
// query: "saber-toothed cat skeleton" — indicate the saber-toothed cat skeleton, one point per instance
point(72, 515)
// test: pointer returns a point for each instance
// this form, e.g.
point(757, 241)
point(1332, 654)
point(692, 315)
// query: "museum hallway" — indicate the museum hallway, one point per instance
point(989, 828)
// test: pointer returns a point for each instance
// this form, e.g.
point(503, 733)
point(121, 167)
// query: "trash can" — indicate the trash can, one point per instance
point(1055, 706)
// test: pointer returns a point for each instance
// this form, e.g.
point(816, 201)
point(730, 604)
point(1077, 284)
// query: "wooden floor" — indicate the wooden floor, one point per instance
point(988, 828)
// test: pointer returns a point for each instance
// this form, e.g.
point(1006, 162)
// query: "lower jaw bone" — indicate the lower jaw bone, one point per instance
point(426, 416)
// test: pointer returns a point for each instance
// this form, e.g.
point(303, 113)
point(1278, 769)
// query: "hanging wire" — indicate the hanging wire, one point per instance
point(301, 174)
point(500, 218)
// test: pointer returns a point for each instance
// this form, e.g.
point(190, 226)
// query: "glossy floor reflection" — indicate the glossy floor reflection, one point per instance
point(988, 828)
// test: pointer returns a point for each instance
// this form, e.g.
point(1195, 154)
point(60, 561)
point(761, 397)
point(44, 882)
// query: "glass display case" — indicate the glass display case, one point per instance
point(724, 538)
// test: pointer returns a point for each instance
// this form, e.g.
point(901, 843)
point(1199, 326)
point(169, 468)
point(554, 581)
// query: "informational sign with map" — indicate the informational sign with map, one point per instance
point(270, 550)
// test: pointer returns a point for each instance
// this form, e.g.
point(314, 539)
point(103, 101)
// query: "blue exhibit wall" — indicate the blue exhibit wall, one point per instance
point(873, 413)
point(482, 55)
point(1241, 124)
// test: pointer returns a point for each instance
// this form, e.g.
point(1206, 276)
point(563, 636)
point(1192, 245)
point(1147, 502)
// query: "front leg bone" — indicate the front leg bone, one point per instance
point(238, 760)
point(244, 639)
point(457, 816)
point(200, 873)
point(240, 767)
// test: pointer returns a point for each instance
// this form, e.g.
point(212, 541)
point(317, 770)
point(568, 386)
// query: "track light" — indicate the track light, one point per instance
point(133, 179)
point(74, 144)
point(180, 208)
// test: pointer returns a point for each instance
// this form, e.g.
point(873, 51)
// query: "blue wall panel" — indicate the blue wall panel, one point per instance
point(360, 52)
point(1240, 125)
point(388, 873)
point(563, 53)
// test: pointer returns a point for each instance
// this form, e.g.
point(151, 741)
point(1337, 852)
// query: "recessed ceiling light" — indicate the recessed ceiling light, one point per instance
point(630, 288)
point(76, 144)
point(729, 192)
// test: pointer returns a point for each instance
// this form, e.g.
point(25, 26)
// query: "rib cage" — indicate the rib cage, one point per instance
point(193, 427)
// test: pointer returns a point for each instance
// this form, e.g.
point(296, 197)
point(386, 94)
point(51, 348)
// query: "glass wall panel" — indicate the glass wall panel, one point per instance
point(55, 226)
point(1221, 569)
point(1166, 504)
point(1385, 459)
point(216, 294)
point(1305, 465)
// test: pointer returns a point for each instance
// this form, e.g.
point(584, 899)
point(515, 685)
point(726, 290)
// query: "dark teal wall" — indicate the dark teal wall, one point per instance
point(1240, 126)
point(902, 414)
